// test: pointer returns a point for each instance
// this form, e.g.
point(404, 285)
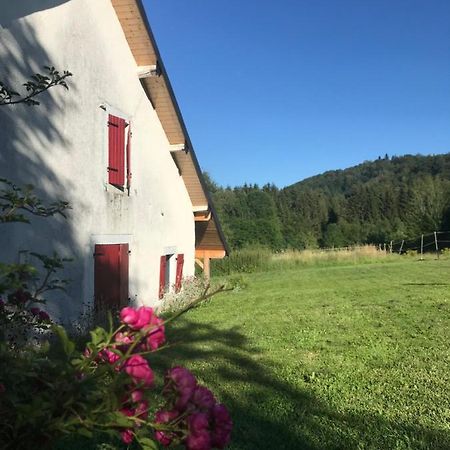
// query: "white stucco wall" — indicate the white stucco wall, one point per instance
point(61, 148)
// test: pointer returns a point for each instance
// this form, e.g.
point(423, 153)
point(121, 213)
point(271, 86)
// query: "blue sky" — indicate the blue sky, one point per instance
point(277, 91)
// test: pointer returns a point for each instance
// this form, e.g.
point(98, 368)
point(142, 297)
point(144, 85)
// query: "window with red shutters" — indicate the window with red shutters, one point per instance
point(119, 151)
point(179, 274)
point(110, 276)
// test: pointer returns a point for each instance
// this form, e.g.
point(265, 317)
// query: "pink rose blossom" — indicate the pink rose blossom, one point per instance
point(108, 356)
point(180, 380)
point(128, 315)
point(203, 398)
point(137, 396)
point(123, 338)
point(198, 422)
point(142, 410)
point(127, 436)
point(223, 425)
point(139, 370)
point(163, 438)
point(164, 417)
point(198, 441)
point(155, 337)
point(144, 317)
point(129, 412)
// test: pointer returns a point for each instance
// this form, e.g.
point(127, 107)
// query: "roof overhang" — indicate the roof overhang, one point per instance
point(156, 84)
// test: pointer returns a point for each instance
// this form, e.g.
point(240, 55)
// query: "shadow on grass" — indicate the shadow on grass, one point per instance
point(272, 408)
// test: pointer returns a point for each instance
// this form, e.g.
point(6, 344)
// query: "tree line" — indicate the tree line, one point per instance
point(377, 201)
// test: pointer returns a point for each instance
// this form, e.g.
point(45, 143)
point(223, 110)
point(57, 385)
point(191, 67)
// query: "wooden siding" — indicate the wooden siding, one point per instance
point(157, 91)
point(135, 32)
point(207, 236)
point(190, 176)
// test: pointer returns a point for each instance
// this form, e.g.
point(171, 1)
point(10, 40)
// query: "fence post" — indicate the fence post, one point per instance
point(401, 247)
point(390, 247)
point(421, 248)
point(436, 243)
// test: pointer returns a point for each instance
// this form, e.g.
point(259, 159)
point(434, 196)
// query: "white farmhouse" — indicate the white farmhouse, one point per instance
point(115, 146)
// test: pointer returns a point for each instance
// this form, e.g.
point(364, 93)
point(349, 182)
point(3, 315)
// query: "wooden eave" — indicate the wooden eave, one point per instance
point(137, 31)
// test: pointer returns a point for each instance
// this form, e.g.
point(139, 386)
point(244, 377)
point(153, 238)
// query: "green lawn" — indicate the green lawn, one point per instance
point(340, 357)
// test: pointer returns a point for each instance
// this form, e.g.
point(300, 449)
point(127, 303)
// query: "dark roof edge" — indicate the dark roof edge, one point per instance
point(183, 125)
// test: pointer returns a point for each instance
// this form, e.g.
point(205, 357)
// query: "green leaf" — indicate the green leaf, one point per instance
point(147, 443)
point(85, 432)
point(98, 335)
point(67, 344)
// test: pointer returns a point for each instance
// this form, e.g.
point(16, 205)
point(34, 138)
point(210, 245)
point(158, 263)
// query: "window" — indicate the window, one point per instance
point(165, 273)
point(110, 276)
point(119, 152)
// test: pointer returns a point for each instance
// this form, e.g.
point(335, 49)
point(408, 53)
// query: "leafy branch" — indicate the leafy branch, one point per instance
point(15, 201)
point(36, 85)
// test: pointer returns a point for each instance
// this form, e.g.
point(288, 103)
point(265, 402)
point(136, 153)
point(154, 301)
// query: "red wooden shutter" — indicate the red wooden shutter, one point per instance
point(116, 150)
point(179, 274)
point(162, 275)
point(129, 158)
point(110, 276)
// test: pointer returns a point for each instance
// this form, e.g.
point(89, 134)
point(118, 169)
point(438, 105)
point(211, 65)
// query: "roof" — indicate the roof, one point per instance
point(156, 83)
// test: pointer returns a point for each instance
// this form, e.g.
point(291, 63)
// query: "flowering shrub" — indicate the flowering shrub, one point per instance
point(192, 288)
point(109, 386)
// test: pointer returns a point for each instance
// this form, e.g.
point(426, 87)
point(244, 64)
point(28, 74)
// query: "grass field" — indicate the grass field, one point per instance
point(337, 357)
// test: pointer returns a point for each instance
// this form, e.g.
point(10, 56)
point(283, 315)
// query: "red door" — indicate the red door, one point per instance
point(110, 276)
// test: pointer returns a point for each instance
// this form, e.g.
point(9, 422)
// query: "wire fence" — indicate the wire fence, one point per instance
point(434, 242)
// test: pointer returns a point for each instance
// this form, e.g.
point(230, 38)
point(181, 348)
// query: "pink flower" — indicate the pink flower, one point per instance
point(108, 356)
point(35, 311)
point(221, 433)
point(164, 417)
point(123, 338)
point(198, 422)
point(137, 319)
point(129, 412)
point(139, 370)
point(203, 398)
point(128, 315)
point(199, 441)
point(127, 436)
point(43, 316)
point(180, 380)
point(144, 317)
point(142, 410)
point(155, 337)
point(163, 437)
point(137, 396)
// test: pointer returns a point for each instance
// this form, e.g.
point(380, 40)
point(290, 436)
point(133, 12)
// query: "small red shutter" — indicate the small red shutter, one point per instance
point(116, 150)
point(162, 276)
point(129, 158)
point(179, 274)
point(110, 276)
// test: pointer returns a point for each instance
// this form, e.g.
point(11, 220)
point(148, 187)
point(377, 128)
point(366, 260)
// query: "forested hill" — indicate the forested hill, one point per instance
point(376, 201)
